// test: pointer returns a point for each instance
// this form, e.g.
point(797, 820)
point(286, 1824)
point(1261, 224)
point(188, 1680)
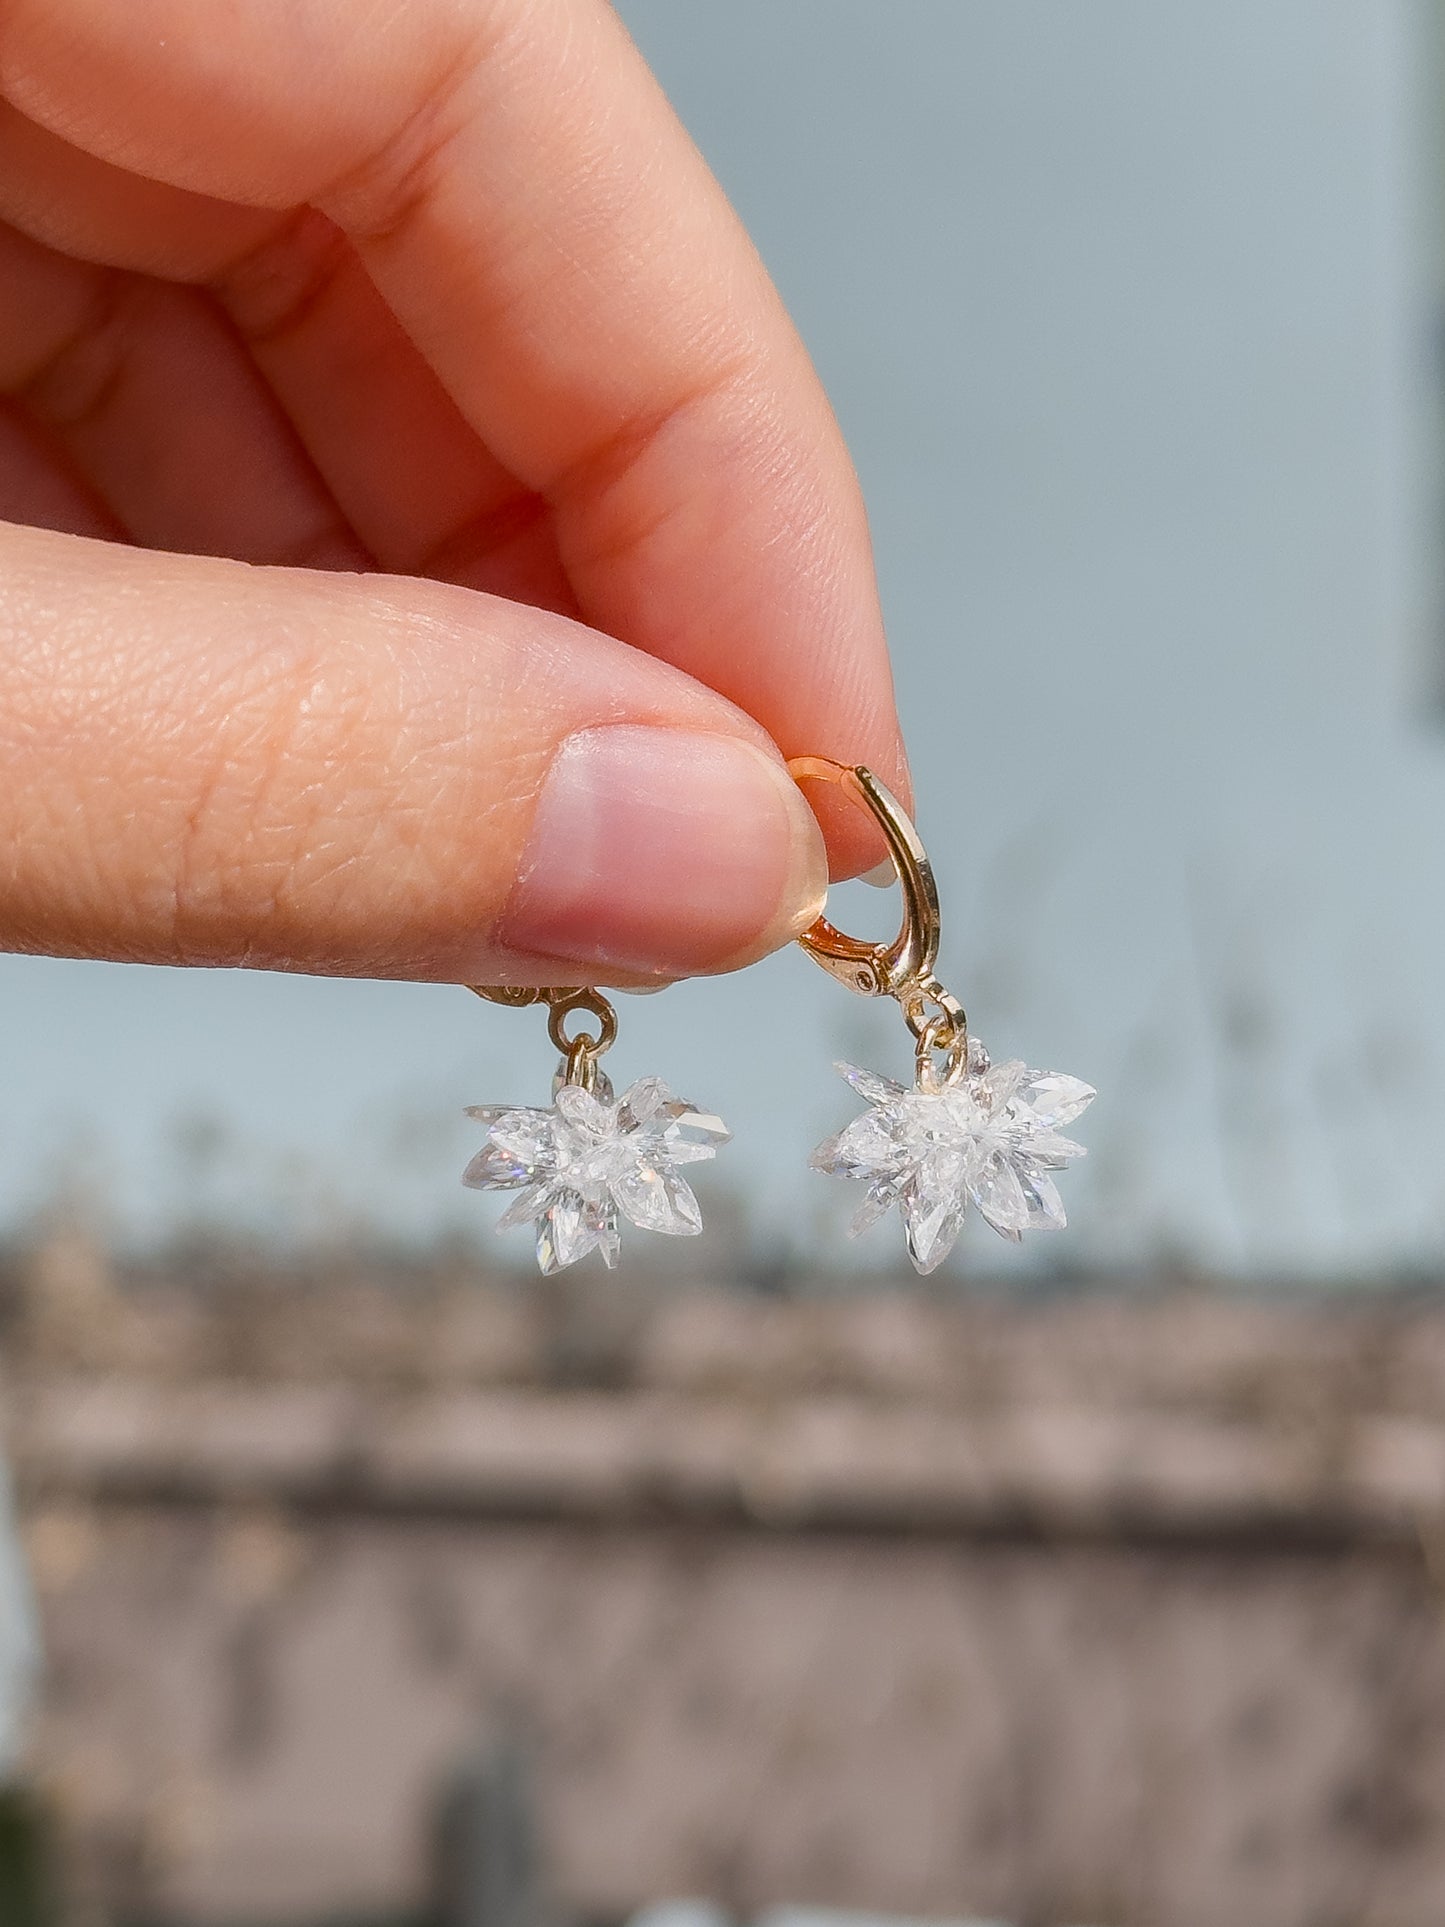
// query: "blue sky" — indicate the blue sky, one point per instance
point(1122, 310)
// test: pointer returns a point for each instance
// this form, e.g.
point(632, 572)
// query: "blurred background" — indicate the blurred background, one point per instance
point(366, 1580)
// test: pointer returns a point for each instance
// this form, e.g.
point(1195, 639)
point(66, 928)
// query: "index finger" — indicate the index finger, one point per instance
point(522, 194)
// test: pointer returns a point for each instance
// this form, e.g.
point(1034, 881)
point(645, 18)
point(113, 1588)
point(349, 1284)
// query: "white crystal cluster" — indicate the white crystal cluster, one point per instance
point(586, 1158)
point(990, 1137)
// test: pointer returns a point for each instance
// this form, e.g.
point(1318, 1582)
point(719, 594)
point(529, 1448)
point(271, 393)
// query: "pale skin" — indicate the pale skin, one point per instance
point(424, 535)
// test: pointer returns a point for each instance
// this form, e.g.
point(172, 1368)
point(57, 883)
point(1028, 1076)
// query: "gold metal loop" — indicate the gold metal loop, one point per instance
point(943, 1024)
point(579, 1053)
point(947, 1032)
point(589, 1003)
point(878, 969)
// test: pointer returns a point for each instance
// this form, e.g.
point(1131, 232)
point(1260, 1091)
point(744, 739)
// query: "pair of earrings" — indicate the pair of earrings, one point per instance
point(966, 1132)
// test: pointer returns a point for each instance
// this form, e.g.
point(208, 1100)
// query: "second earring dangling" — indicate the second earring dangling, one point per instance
point(589, 1158)
point(968, 1131)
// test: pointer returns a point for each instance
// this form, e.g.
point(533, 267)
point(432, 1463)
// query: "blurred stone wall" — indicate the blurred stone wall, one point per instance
point(1112, 1608)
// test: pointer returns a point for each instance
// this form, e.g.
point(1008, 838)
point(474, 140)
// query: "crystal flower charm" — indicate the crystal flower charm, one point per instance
point(586, 1158)
point(989, 1135)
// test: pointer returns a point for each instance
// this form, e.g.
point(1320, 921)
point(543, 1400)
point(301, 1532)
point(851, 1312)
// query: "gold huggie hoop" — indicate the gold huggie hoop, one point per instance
point(878, 969)
point(904, 968)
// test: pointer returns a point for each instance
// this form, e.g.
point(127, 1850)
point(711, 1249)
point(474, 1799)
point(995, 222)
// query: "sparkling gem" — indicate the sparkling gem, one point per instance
point(878, 1090)
point(588, 1157)
point(862, 1149)
point(1054, 1100)
point(989, 1136)
point(932, 1219)
point(495, 1168)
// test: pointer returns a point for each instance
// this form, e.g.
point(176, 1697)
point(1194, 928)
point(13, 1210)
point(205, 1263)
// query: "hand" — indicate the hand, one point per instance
point(431, 311)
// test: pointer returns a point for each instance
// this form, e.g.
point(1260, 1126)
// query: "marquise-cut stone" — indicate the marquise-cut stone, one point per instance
point(658, 1200)
point(880, 1197)
point(1046, 1207)
point(870, 1084)
point(861, 1149)
point(999, 1195)
point(641, 1102)
point(528, 1206)
point(496, 1168)
point(518, 1134)
point(571, 1228)
point(702, 1132)
point(932, 1221)
point(1055, 1100)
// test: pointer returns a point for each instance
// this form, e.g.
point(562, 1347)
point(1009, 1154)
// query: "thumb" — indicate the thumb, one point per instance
point(210, 763)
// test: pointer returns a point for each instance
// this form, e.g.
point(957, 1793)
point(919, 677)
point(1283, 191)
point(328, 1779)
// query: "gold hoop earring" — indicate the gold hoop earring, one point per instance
point(968, 1131)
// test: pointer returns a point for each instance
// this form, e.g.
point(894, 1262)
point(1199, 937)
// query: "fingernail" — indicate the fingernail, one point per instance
point(882, 876)
point(661, 850)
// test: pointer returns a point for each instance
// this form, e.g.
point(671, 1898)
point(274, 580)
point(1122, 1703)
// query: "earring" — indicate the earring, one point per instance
point(589, 1156)
point(968, 1130)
